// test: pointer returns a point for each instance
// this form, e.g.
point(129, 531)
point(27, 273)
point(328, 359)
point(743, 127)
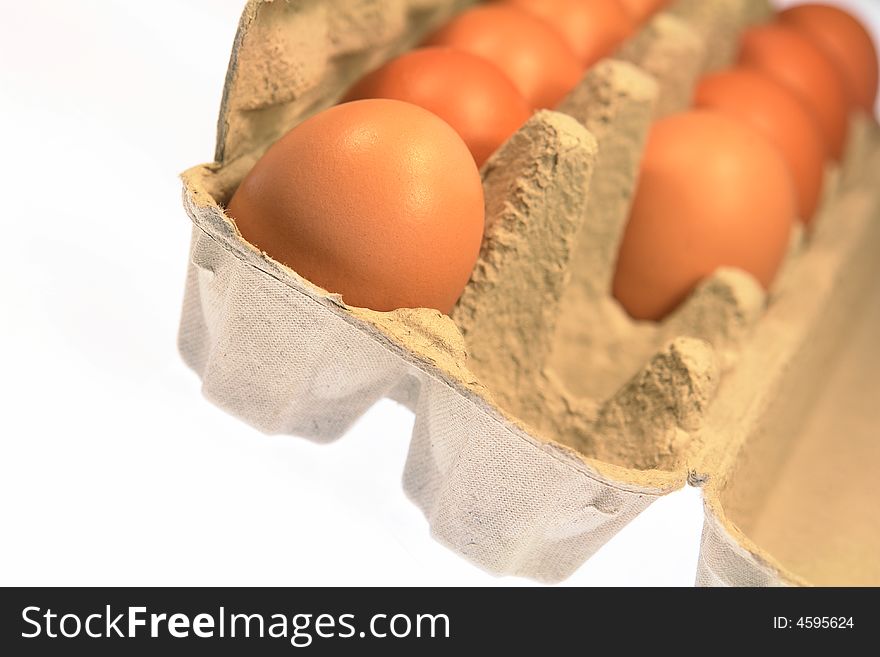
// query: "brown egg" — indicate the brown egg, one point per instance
point(642, 10)
point(846, 42)
point(530, 52)
point(778, 115)
point(791, 59)
point(712, 192)
point(468, 92)
point(377, 200)
point(593, 29)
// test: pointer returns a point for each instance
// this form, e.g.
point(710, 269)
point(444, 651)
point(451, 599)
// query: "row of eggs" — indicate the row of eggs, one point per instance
point(379, 198)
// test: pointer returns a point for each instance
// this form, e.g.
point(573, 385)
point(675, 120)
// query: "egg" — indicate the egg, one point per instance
point(593, 29)
point(531, 53)
point(778, 115)
point(642, 10)
point(791, 59)
point(468, 92)
point(377, 200)
point(712, 192)
point(846, 42)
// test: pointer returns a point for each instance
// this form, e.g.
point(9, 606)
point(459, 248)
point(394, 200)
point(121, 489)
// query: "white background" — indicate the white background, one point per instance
point(113, 469)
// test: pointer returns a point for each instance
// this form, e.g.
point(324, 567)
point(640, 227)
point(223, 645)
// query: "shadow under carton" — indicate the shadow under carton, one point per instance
point(546, 419)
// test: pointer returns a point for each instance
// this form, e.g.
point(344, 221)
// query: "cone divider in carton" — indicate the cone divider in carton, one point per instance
point(536, 187)
point(672, 52)
point(720, 22)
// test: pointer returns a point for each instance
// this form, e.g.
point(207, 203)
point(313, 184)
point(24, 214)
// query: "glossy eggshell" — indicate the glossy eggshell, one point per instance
point(377, 200)
point(846, 41)
point(468, 92)
point(712, 192)
point(776, 113)
point(593, 29)
point(794, 61)
point(642, 10)
point(531, 53)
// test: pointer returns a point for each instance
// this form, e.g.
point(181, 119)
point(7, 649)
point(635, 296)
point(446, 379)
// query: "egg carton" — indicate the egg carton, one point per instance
point(545, 418)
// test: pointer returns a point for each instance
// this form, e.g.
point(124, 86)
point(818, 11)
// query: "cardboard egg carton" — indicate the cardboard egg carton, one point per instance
point(546, 419)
